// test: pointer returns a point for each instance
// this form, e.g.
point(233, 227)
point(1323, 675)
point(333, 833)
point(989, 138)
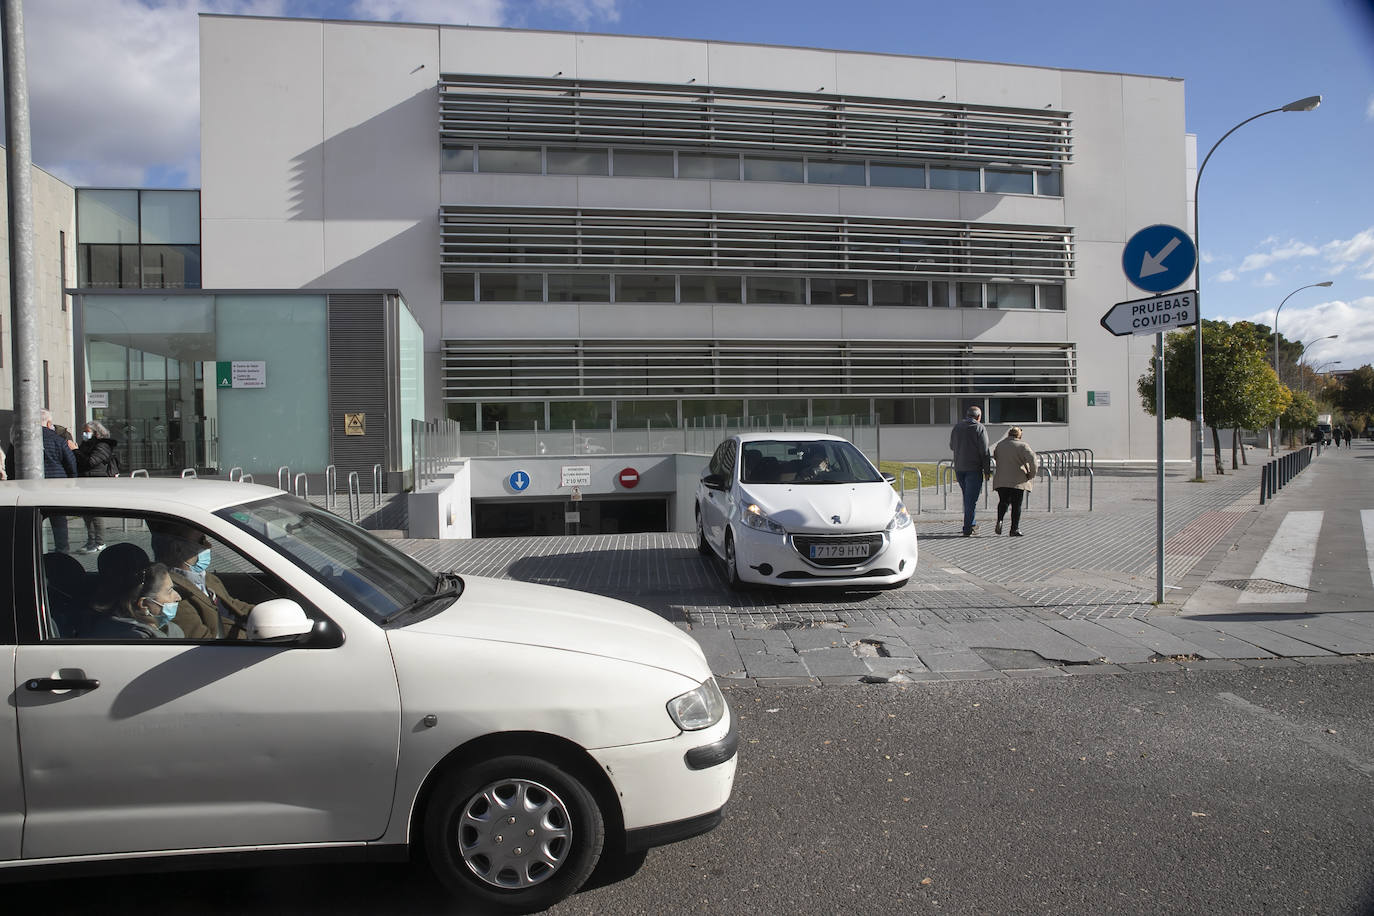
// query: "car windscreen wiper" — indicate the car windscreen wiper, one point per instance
point(446, 586)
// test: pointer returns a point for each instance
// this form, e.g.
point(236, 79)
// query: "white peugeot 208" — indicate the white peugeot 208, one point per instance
point(800, 509)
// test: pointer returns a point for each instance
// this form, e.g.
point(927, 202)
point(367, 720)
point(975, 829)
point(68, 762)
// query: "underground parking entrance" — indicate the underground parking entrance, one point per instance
point(591, 515)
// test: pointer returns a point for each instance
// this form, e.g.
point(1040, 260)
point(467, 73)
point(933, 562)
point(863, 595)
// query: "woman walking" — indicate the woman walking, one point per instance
point(1016, 468)
point(95, 457)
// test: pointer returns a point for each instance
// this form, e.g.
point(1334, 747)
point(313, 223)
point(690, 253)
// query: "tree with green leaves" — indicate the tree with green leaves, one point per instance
point(1240, 389)
point(1352, 392)
point(1301, 413)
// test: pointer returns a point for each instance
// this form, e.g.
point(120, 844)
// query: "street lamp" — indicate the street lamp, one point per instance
point(1273, 442)
point(1307, 104)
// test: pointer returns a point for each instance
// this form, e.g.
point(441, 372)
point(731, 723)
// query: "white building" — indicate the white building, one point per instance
point(626, 233)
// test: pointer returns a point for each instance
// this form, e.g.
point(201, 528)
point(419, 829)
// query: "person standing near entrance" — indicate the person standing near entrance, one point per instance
point(95, 457)
point(1016, 469)
point(972, 462)
point(58, 461)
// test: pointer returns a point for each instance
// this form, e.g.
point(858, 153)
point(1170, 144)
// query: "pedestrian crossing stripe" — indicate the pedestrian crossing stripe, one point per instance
point(1289, 558)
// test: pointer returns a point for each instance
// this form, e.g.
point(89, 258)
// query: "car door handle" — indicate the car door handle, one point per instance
point(62, 683)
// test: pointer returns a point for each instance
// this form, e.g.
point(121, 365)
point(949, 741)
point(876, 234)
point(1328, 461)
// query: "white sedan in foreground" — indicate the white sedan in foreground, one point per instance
point(800, 509)
point(242, 676)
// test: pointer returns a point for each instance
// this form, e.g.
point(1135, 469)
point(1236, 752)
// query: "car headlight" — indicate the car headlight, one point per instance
point(900, 519)
point(699, 708)
point(754, 517)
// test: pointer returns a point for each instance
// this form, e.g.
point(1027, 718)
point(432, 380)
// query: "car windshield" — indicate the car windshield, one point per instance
point(805, 461)
point(371, 575)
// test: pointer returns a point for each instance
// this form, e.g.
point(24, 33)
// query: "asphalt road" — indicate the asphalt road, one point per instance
point(1181, 792)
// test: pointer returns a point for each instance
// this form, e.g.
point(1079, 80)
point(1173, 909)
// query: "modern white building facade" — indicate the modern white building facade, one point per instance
point(612, 233)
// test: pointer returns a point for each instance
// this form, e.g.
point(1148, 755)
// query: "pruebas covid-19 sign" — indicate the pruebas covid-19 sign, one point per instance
point(1154, 315)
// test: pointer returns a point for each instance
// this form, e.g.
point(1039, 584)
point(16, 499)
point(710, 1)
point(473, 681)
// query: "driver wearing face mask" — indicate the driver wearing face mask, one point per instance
point(207, 611)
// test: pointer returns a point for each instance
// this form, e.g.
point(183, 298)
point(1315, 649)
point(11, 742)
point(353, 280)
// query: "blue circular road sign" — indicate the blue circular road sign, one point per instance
point(1159, 258)
point(518, 480)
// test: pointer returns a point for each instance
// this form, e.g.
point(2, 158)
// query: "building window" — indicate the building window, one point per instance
point(825, 291)
point(775, 290)
point(1051, 297)
point(896, 175)
point(1050, 184)
point(642, 163)
point(708, 165)
point(509, 160)
point(947, 178)
point(579, 287)
point(999, 181)
point(460, 287)
point(578, 162)
point(645, 288)
point(512, 288)
point(829, 171)
point(711, 288)
point(1054, 410)
point(970, 295)
point(1010, 296)
point(458, 159)
point(901, 292)
point(1012, 410)
point(760, 169)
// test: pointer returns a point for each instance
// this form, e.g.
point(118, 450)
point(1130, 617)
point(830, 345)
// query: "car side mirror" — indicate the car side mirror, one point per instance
point(890, 478)
point(713, 481)
point(278, 620)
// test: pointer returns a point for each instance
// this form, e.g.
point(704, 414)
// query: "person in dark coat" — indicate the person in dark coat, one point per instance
point(972, 462)
point(95, 457)
point(1349, 434)
point(58, 461)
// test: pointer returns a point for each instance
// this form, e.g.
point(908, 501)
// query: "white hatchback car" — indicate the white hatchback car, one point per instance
point(336, 697)
point(802, 509)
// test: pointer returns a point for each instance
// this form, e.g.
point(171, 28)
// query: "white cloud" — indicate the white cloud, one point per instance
point(1369, 110)
point(1352, 320)
point(1268, 279)
point(1277, 252)
point(1226, 276)
point(1356, 253)
point(114, 85)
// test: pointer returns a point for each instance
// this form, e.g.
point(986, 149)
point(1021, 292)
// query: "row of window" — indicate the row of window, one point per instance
point(632, 415)
point(729, 289)
point(652, 163)
point(138, 266)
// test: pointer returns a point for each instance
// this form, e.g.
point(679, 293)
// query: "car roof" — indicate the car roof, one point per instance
point(789, 436)
point(165, 494)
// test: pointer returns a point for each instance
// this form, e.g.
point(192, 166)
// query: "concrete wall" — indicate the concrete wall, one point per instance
point(321, 167)
point(54, 214)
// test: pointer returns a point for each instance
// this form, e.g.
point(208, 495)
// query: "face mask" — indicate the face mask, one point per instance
point(202, 561)
point(169, 610)
point(86, 436)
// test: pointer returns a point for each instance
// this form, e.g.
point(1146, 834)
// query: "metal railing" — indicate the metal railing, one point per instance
point(354, 497)
point(901, 484)
point(1067, 463)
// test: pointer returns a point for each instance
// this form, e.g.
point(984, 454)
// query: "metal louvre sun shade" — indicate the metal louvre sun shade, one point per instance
point(498, 369)
point(563, 111)
point(502, 238)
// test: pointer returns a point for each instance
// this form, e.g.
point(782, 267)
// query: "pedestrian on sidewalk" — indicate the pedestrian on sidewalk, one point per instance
point(95, 457)
point(1016, 468)
point(58, 461)
point(972, 462)
point(1349, 434)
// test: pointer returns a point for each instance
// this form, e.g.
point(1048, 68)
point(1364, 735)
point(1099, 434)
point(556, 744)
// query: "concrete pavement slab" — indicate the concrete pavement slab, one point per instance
point(950, 660)
point(1161, 641)
point(762, 666)
point(833, 662)
point(1260, 634)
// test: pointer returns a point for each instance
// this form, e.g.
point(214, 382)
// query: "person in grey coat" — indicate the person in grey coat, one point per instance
point(58, 461)
point(972, 462)
point(1016, 469)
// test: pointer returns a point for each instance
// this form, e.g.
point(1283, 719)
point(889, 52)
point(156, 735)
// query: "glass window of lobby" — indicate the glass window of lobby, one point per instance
point(130, 238)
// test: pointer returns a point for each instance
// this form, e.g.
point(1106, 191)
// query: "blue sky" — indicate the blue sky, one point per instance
point(1288, 200)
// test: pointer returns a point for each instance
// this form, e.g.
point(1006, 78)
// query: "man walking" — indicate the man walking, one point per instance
point(972, 463)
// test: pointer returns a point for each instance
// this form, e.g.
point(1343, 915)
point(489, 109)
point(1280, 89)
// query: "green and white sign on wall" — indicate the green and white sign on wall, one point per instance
point(1099, 399)
point(241, 374)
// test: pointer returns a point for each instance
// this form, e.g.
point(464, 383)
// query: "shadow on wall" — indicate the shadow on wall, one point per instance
point(363, 161)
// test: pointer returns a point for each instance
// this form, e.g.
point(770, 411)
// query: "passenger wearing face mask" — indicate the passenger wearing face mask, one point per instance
point(151, 603)
point(208, 611)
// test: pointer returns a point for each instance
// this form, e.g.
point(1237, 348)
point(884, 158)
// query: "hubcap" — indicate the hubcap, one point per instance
point(514, 833)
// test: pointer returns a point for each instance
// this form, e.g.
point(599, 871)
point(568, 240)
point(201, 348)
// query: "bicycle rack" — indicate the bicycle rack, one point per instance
point(301, 487)
point(246, 478)
point(235, 474)
point(139, 472)
point(355, 497)
point(331, 483)
point(901, 484)
point(376, 485)
point(188, 473)
point(283, 478)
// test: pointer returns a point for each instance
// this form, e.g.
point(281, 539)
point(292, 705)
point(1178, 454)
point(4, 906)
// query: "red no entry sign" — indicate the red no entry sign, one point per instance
point(629, 478)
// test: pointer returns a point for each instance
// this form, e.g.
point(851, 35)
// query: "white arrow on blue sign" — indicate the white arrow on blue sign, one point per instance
point(1159, 258)
point(519, 480)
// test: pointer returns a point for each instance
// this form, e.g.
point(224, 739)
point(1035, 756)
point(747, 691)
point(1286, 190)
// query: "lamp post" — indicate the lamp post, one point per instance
point(1307, 104)
point(1273, 443)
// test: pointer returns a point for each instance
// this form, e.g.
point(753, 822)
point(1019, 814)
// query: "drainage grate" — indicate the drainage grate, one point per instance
point(1262, 586)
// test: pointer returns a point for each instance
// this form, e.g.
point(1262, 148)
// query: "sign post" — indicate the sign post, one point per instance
point(1157, 259)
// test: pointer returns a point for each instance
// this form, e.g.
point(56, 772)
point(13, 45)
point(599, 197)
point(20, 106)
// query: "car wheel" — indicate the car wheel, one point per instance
point(732, 578)
point(516, 833)
point(703, 546)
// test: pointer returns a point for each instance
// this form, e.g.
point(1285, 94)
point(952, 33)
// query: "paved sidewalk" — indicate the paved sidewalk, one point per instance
point(1073, 597)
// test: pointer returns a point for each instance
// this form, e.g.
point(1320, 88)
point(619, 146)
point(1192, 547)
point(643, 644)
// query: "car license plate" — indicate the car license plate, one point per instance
point(839, 551)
